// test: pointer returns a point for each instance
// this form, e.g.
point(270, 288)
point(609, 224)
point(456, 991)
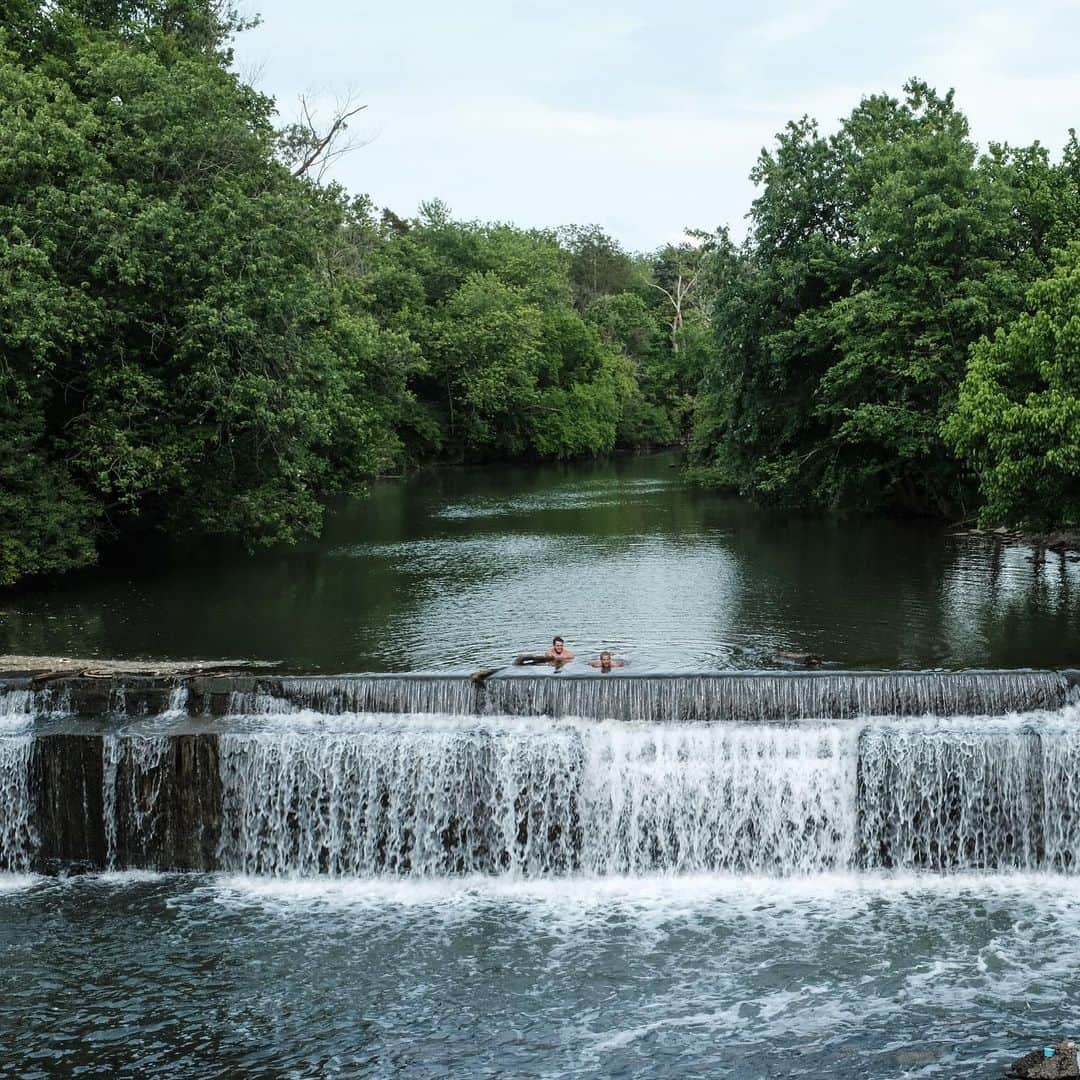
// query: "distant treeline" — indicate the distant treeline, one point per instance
point(197, 335)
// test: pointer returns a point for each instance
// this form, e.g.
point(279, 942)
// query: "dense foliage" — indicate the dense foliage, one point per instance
point(1018, 416)
point(195, 337)
point(878, 257)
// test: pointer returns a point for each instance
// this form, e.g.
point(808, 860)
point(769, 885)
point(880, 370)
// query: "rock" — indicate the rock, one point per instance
point(45, 668)
point(1037, 1066)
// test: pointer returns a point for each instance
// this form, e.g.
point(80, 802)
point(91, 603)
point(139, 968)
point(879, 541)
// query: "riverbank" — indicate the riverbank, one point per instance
point(1060, 541)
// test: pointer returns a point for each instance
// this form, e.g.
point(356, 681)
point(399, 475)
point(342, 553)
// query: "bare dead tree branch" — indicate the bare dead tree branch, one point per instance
point(307, 147)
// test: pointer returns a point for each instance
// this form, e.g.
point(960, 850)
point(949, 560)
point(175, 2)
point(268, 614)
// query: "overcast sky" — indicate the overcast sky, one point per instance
point(642, 117)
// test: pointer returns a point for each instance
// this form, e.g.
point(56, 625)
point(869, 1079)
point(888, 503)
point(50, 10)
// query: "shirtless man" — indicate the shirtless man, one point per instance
point(605, 663)
point(558, 651)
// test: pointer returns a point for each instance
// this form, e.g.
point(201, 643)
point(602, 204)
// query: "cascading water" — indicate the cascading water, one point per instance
point(17, 834)
point(132, 781)
point(465, 790)
point(401, 797)
point(20, 705)
point(735, 798)
point(779, 696)
point(1003, 795)
point(541, 797)
point(538, 798)
point(453, 694)
point(668, 698)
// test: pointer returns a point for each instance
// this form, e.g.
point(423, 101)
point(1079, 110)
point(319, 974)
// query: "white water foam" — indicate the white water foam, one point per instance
point(17, 834)
point(434, 796)
point(538, 797)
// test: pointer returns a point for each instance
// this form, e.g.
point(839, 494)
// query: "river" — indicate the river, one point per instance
point(840, 873)
point(457, 569)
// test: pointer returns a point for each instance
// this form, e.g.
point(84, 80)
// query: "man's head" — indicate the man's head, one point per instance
point(557, 644)
point(605, 660)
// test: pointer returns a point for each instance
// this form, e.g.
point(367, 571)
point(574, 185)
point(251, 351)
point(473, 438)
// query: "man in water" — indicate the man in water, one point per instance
point(605, 663)
point(558, 651)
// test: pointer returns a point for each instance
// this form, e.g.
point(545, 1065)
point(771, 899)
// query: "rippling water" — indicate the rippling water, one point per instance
point(459, 569)
point(823, 976)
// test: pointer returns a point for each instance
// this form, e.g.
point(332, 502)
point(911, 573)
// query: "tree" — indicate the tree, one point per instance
point(174, 352)
point(679, 272)
point(1017, 420)
point(755, 426)
point(598, 264)
point(877, 258)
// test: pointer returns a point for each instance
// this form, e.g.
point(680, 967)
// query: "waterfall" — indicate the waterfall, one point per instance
point(536, 799)
point(20, 705)
point(690, 775)
point(721, 696)
point(400, 797)
point(177, 704)
point(17, 832)
point(695, 798)
point(132, 783)
point(453, 694)
point(545, 797)
point(778, 695)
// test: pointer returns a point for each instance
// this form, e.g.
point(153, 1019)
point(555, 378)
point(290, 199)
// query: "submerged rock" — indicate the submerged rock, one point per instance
point(1061, 1065)
point(799, 659)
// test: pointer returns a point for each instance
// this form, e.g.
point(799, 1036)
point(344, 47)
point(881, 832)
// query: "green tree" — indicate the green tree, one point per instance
point(878, 257)
point(755, 428)
point(1017, 420)
point(598, 265)
point(175, 352)
point(933, 278)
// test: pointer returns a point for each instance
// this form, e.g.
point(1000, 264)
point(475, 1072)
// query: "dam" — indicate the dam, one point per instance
point(543, 776)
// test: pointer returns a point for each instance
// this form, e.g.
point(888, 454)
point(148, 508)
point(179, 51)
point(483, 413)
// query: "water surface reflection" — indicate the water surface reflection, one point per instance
point(458, 569)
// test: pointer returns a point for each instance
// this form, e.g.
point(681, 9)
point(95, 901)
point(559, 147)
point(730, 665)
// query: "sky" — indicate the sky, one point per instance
point(644, 118)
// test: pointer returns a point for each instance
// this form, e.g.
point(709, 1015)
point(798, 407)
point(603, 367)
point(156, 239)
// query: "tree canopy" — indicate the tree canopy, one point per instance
point(196, 335)
point(1017, 420)
point(878, 258)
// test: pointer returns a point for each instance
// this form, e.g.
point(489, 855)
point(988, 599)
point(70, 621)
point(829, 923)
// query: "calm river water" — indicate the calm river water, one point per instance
point(464, 568)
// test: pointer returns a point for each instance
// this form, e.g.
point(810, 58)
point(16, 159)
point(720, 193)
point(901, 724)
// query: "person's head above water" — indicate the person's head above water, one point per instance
point(607, 662)
point(558, 650)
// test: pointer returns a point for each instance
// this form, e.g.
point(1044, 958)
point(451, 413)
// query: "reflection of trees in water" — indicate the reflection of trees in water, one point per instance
point(858, 592)
point(613, 555)
point(1014, 605)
